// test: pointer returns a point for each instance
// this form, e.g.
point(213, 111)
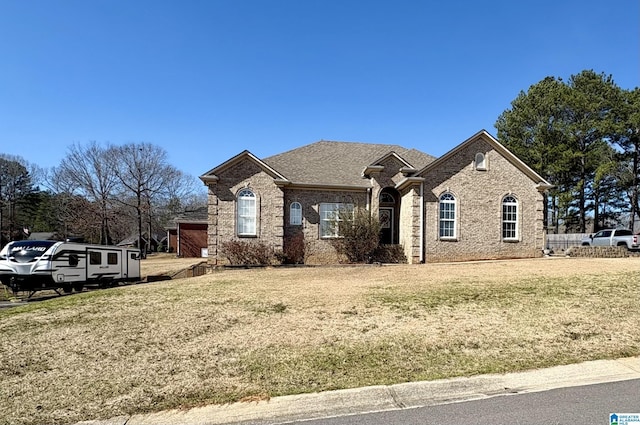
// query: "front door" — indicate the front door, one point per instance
point(387, 230)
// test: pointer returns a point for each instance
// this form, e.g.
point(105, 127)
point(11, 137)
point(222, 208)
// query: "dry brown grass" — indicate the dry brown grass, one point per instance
point(166, 264)
point(242, 334)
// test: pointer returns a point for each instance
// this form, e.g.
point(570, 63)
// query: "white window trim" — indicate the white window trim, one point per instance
point(295, 214)
point(251, 213)
point(516, 223)
point(333, 208)
point(453, 202)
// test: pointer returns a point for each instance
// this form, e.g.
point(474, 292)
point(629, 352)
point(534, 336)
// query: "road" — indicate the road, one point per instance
point(584, 405)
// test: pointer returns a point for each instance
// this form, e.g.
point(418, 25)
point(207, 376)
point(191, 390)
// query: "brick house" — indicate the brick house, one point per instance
point(478, 201)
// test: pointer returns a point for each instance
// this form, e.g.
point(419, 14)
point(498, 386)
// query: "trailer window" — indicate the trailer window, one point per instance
point(74, 260)
point(112, 258)
point(95, 257)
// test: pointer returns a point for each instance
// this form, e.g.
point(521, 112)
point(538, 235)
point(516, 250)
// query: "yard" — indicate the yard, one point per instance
point(251, 334)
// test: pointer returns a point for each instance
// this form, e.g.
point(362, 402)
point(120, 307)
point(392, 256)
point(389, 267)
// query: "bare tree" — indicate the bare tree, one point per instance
point(87, 171)
point(144, 176)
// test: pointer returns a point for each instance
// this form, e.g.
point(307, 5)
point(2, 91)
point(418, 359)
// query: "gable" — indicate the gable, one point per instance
point(484, 138)
point(244, 160)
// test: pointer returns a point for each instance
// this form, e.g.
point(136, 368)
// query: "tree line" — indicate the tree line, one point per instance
point(99, 193)
point(583, 136)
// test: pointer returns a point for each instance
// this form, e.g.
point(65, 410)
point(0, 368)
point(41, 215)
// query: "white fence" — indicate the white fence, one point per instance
point(561, 242)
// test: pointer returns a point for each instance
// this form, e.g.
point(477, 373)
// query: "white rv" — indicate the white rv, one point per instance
point(38, 265)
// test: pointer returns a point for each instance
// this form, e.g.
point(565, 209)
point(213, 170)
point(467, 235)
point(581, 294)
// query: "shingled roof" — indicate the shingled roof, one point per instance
point(339, 163)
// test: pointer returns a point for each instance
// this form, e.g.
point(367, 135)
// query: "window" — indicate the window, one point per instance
point(112, 258)
point(295, 214)
point(74, 260)
point(509, 218)
point(95, 257)
point(246, 213)
point(387, 198)
point(481, 161)
point(447, 216)
point(331, 214)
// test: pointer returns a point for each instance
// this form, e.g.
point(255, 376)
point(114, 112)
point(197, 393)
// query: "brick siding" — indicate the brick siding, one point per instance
point(478, 193)
point(479, 196)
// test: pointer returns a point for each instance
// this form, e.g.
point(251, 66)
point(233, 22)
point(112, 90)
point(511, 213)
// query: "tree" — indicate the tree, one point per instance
point(15, 184)
point(87, 171)
point(563, 131)
point(144, 175)
point(590, 127)
point(534, 129)
point(628, 139)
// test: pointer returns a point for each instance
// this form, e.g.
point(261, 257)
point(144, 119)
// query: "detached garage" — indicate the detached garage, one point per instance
point(187, 235)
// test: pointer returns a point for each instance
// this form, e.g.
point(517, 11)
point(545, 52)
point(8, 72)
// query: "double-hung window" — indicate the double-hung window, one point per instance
point(509, 218)
point(246, 214)
point(447, 221)
point(331, 214)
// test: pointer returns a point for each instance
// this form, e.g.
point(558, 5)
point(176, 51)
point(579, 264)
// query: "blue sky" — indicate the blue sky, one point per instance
point(206, 79)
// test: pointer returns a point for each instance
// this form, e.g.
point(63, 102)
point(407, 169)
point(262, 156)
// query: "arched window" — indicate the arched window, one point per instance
point(447, 222)
point(295, 214)
point(246, 220)
point(387, 198)
point(509, 218)
point(481, 161)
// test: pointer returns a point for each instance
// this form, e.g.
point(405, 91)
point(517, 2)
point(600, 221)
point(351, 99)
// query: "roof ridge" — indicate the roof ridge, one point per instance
point(393, 147)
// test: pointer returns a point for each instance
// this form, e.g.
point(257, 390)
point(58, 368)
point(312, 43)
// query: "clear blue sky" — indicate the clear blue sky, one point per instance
point(206, 79)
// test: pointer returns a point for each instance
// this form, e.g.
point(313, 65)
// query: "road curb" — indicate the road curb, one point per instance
point(391, 397)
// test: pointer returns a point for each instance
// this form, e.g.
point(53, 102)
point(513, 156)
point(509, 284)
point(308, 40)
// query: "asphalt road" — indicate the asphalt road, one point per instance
point(585, 405)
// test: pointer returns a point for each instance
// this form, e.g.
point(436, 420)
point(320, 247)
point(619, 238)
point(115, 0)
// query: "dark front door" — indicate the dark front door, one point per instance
point(387, 232)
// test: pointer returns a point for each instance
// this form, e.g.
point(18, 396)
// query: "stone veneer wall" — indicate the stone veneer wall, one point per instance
point(410, 223)
point(598, 251)
point(479, 197)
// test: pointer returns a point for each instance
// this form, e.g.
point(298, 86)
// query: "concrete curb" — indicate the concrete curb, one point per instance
point(391, 397)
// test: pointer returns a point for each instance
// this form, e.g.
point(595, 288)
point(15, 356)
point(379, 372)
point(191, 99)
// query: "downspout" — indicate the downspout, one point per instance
point(422, 259)
point(178, 241)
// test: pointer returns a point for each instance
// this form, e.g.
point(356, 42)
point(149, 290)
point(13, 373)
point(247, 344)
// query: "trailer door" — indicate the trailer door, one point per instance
point(133, 264)
point(104, 264)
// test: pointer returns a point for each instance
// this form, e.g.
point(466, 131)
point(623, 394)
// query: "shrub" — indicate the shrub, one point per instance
point(294, 249)
point(360, 235)
point(389, 254)
point(248, 253)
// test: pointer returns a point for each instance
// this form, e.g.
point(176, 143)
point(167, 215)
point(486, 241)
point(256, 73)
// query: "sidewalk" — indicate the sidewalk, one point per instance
point(391, 397)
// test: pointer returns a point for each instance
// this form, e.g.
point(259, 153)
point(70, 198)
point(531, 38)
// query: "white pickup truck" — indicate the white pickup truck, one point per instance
point(613, 237)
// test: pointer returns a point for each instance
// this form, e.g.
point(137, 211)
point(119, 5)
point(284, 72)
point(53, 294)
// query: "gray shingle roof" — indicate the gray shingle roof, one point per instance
point(198, 215)
point(338, 163)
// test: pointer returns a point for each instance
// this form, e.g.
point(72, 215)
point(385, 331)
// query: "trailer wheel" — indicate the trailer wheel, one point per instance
point(67, 289)
point(78, 287)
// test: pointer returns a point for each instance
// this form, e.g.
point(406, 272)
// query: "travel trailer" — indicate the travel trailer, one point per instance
point(39, 265)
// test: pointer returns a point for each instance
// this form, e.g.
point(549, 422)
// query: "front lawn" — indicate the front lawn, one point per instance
point(251, 334)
